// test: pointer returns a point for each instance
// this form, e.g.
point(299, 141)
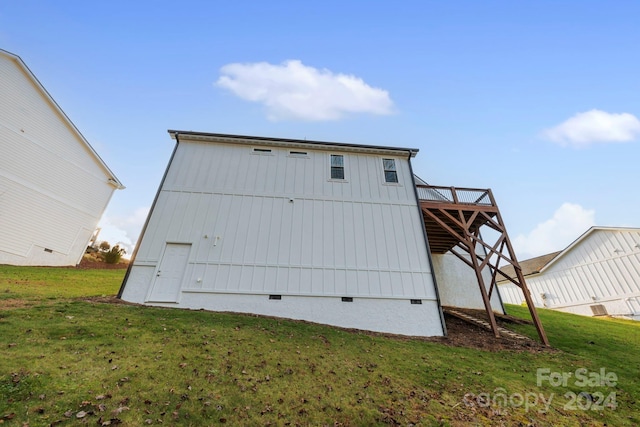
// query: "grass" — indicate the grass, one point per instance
point(51, 283)
point(65, 360)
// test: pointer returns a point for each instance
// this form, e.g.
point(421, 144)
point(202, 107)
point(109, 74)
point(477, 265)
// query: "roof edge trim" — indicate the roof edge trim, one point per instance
point(286, 142)
point(582, 237)
point(66, 118)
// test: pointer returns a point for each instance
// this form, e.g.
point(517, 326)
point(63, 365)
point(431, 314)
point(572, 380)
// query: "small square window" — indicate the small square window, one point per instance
point(390, 173)
point(337, 166)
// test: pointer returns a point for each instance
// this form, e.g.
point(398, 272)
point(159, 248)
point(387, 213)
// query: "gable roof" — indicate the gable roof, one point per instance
point(20, 64)
point(540, 264)
point(530, 266)
point(260, 140)
point(583, 237)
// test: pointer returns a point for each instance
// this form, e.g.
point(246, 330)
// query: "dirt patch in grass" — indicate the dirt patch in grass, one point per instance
point(463, 334)
point(7, 304)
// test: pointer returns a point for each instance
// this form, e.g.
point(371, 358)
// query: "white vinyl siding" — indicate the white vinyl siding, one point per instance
point(53, 190)
point(25, 111)
point(277, 224)
point(281, 227)
point(602, 268)
point(270, 239)
point(228, 169)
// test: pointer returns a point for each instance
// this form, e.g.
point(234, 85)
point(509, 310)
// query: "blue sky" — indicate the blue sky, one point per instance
point(537, 100)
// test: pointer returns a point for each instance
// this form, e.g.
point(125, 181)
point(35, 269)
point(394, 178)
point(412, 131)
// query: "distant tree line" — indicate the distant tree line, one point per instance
point(109, 254)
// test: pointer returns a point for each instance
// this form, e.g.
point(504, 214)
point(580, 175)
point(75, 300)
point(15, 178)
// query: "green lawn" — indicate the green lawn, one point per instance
point(67, 361)
point(52, 283)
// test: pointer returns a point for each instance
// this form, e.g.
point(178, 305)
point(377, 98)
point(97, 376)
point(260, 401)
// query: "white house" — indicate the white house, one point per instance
point(598, 274)
point(320, 231)
point(53, 186)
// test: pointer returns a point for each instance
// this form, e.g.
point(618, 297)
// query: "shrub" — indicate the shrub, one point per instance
point(113, 255)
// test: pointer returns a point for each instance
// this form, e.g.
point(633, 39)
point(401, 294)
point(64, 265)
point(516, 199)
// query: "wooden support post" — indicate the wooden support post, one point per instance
point(523, 285)
point(483, 292)
point(532, 308)
point(471, 245)
point(456, 224)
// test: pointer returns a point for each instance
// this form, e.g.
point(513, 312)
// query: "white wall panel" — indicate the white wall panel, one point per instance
point(26, 112)
point(458, 284)
point(53, 188)
point(390, 316)
point(257, 230)
point(277, 224)
point(603, 268)
point(236, 169)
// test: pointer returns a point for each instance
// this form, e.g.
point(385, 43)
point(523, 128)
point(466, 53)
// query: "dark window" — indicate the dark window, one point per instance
point(337, 166)
point(390, 174)
point(261, 150)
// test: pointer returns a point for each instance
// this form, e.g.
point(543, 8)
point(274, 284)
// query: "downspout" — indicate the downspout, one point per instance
point(146, 222)
point(426, 241)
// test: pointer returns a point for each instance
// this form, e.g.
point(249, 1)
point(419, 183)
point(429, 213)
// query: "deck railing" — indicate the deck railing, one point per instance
point(471, 196)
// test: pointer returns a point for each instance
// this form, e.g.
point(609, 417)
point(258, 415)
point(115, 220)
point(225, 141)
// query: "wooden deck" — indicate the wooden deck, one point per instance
point(453, 219)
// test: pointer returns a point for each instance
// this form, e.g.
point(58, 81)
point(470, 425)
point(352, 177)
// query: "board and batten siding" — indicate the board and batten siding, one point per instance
point(603, 268)
point(53, 190)
point(262, 223)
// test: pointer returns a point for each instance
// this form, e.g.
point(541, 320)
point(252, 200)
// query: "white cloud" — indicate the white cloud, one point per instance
point(595, 126)
point(293, 91)
point(555, 234)
point(122, 230)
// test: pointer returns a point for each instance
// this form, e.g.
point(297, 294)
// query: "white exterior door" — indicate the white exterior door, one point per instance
point(168, 280)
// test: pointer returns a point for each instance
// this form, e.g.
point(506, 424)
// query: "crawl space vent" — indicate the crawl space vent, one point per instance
point(598, 310)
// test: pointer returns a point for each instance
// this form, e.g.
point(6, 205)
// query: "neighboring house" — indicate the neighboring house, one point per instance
point(598, 274)
point(53, 186)
point(326, 232)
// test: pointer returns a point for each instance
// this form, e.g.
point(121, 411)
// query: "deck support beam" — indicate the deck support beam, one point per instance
point(453, 219)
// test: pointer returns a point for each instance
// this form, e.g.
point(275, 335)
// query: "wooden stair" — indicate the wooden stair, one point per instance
point(482, 323)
